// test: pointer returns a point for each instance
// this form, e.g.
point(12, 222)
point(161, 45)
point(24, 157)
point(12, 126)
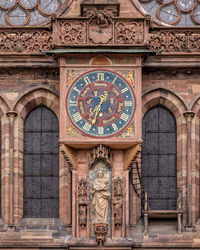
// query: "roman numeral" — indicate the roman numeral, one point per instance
point(86, 79)
point(72, 103)
point(128, 103)
point(124, 117)
point(100, 76)
point(77, 117)
point(114, 127)
point(87, 126)
point(124, 90)
point(100, 130)
point(76, 90)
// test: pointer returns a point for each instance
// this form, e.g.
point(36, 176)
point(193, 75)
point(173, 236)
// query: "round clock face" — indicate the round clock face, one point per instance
point(100, 103)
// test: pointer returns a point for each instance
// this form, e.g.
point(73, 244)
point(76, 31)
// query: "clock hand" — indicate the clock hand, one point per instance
point(97, 109)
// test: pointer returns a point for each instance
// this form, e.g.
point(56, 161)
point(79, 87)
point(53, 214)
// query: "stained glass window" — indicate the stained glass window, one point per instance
point(174, 12)
point(27, 12)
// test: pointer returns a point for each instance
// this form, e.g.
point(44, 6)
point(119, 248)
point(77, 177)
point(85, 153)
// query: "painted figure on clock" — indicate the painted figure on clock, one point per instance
point(100, 103)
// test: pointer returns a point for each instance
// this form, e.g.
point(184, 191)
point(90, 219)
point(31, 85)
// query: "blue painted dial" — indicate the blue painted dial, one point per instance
point(100, 103)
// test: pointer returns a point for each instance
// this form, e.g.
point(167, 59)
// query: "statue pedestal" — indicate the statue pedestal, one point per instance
point(100, 230)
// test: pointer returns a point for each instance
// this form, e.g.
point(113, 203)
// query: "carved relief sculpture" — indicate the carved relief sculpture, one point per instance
point(118, 201)
point(100, 203)
point(83, 201)
point(101, 197)
point(100, 27)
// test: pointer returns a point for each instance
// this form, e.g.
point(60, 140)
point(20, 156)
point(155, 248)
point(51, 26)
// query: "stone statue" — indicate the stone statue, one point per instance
point(100, 201)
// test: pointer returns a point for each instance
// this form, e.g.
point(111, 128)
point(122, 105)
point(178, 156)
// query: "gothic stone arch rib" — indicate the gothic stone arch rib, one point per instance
point(34, 98)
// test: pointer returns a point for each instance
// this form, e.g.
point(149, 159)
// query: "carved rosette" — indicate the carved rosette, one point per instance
point(100, 153)
point(82, 191)
point(100, 230)
point(71, 32)
point(130, 32)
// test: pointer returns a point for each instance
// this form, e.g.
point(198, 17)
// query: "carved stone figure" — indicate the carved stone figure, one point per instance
point(82, 215)
point(118, 201)
point(100, 28)
point(100, 201)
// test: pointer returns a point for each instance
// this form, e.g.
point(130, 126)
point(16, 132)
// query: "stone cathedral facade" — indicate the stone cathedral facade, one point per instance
point(99, 114)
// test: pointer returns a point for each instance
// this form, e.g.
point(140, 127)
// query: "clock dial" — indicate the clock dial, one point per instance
point(100, 103)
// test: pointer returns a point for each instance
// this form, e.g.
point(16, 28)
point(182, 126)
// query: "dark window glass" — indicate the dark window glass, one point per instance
point(41, 191)
point(159, 159)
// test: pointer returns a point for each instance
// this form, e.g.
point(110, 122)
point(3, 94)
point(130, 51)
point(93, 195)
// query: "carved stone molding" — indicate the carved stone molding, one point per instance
point(100, 153)
point(131, 155)
point(100, 230)
point(25, 42)
point(189, 115)
point(175, 41)
point(69, 155)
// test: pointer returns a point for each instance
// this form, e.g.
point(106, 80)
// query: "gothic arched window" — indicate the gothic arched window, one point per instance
point(159, 173)
point(175, 12)
point(27, 12)
point(41, 164)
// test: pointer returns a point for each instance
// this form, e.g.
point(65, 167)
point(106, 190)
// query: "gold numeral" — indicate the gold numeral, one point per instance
point(114, 127)
point(77, 117)
point(100, 130)
point(87, 126)
point(86, 79)
point(124, 117)
point(100, 76)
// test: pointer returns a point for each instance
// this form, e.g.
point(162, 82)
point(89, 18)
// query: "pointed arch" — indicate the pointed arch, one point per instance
point(36, 97)
point(164, 98)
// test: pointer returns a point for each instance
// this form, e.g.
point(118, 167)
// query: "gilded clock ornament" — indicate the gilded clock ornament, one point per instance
point(100, 103)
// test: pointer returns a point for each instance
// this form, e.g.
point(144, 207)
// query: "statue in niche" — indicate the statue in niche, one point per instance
point(100, 197)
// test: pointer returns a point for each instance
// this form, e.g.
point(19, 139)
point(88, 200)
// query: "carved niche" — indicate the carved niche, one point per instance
point(82, 192)
point(100, 153)
point(100, 175)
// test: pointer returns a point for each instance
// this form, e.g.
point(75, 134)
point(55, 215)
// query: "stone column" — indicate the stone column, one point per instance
point(189, 116)
point(11, 115)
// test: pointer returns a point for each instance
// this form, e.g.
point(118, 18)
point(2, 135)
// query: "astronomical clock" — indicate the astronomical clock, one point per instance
point(100, 103)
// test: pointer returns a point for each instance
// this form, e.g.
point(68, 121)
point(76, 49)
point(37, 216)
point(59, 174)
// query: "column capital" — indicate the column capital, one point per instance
point(189, 115)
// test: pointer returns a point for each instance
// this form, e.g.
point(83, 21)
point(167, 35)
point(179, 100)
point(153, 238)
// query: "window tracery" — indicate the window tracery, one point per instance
point(174, 12)
point(27, 12)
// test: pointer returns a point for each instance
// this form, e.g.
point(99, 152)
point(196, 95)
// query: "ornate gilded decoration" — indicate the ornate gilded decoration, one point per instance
point(100, 153)
point(174, 12)
point(26, 12)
